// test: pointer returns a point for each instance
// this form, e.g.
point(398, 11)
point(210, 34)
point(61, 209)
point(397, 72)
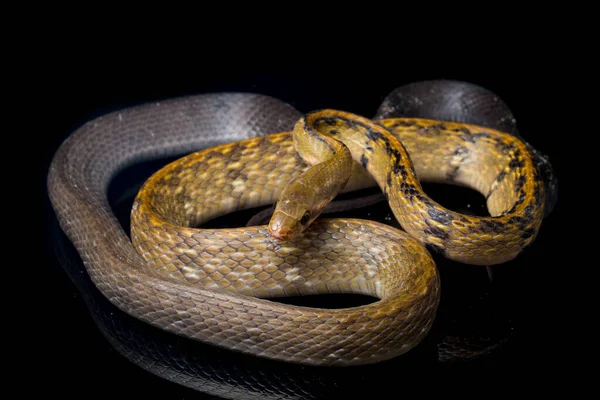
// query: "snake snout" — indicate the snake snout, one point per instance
point(282, 234)
point(281, 226)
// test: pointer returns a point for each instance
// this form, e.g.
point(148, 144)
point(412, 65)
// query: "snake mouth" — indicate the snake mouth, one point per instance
point(281, 234)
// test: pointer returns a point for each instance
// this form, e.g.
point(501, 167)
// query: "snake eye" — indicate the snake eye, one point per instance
point(305, 218)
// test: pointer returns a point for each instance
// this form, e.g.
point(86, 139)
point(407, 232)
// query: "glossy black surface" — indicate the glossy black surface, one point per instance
point(488, 332)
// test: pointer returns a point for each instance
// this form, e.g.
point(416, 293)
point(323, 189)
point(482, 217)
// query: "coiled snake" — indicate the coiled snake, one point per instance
point(206, 284)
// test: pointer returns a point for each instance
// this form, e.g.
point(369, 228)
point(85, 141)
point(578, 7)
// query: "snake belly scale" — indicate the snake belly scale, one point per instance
point(210, 284)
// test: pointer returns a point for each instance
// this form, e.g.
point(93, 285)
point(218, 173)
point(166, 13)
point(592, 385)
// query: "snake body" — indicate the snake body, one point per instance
point(196, 282)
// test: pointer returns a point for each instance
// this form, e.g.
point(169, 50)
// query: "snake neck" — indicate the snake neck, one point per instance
point(305, 197)
point(368, 144)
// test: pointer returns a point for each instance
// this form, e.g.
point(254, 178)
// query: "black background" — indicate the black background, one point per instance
point(81, 84)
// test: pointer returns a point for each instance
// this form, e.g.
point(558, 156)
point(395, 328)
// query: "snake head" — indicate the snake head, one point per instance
point(294, 212)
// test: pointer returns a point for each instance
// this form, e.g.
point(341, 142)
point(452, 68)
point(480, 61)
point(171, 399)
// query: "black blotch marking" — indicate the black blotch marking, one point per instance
point(500, 177)
point(520, 183)
point(473, 137)
point(409, 190)
point(393, 152)
point(483, 134)
point(437, 232)
point(331, 121)
point(516, 162)
point(400, 169)
point(370, 132)
point(432, 130)
point(318, 137)
point(525, 221)
point(374, 135)
point(425, 200)
point(528, 212)
point(452, 174)
point(462, 218)
point(353, 124)
point(434, 248)
point(461, 151)
point(462, 130)
point(334, 132)
point(506, 148)
point(440, 216)
point(527, 233)
point(516, 220)
point(519, 201)
point(314, 134)
point(389, 179)
point(469, 138)
point(511, 210)
point(404, 124)
point(491, 226)
point(369, 148)
point(408, 187)
point(364, 161)
point(521, 198)
point(520, 221)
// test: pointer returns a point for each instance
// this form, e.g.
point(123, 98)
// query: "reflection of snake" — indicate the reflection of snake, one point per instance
point(233, 375)
point(85, 163)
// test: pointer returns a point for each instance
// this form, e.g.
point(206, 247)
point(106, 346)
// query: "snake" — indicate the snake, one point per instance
point(214, 285)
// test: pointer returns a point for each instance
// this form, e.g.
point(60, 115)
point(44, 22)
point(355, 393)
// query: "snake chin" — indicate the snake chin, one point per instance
point(281, 235)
